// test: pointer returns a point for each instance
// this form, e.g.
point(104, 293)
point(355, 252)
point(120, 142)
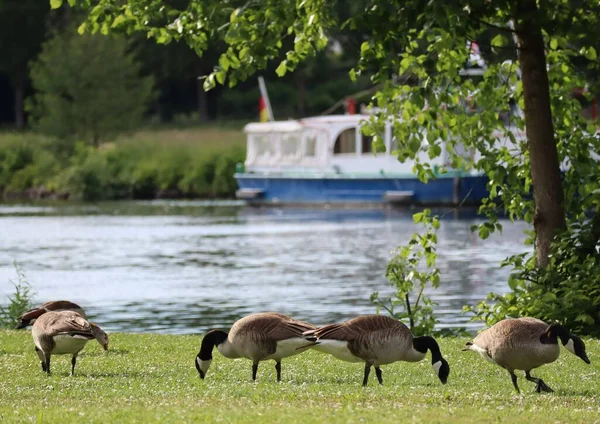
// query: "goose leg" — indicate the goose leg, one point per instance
point(278, 369)
point(47, 362)
point(540, 385)
point(513, 377)
point(367, 372)
point(73, 362)
point(379, 375)
point(254, 370)
point(41, 356)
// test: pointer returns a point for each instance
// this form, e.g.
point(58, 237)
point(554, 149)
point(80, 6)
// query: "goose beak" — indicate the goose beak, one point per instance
point(105, 346)
point(585, 358)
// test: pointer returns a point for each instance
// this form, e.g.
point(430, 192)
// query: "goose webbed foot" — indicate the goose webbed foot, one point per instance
point(379, 375)
point(540, 385)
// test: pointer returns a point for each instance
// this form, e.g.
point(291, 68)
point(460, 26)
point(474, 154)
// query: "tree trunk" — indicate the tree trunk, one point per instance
point(548, 194)
point(201, 94)
point(19, 82)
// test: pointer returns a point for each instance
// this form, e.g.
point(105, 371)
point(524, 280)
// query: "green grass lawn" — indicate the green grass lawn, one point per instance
point(151, 378)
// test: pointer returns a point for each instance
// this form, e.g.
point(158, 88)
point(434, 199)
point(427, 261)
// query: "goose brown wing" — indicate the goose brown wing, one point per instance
point(271, 326)
point(66, 322)
point(287, 329)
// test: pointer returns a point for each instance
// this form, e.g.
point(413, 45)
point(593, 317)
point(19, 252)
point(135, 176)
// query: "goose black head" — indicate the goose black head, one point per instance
point(576, 346)
point(204, 358)
point(442, 369)
point(570, 341)
point(440, 365)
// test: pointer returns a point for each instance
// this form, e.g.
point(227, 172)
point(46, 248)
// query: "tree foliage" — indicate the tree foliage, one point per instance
point(88, 87)
point(538, 53)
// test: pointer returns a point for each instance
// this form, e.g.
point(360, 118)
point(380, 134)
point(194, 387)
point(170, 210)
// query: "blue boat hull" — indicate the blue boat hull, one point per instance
point(377, 190)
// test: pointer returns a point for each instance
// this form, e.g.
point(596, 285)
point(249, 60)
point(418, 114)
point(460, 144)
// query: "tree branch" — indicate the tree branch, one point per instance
point(498, 27)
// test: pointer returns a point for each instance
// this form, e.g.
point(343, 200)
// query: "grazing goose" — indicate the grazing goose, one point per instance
point(525, 344)
point(376, 340)
point(58, 333)
point(29, 317)
point(258, 337)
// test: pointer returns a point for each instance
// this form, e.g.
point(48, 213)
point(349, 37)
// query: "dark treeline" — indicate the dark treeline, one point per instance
point(317, 85)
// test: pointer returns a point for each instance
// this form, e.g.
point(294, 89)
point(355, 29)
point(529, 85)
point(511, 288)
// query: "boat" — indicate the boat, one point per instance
point(326, 160)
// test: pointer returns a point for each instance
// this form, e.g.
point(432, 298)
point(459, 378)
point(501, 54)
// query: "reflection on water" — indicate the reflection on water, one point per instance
point(186, 266)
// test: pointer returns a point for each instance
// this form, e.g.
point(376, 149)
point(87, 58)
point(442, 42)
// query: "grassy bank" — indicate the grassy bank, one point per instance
point(151, 163)
point(151, 378)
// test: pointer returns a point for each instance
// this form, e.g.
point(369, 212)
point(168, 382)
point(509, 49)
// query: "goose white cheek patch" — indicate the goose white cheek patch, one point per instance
point(437, 366)
point(204, 365)
point(570, 346)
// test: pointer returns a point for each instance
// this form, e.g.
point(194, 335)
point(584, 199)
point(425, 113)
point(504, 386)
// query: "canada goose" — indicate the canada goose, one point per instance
point(525, 344)
point(58, 333)
point(377, 340)
point(258, 337)
point(29, 317)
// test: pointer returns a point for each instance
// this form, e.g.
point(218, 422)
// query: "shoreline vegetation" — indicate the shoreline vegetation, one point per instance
point(151, 163)
point(151, 378)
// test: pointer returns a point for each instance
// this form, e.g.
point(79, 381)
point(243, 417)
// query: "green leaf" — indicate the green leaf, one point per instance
point(55, 4)
point(118, 20)
point(352, 75)
point(220, 75)
point(499, 41)
point(553, 44)
point(484, 232)
point(81, 28)
point(591, 53)
point(585, 318)
point(418, 217)
point(282, 68)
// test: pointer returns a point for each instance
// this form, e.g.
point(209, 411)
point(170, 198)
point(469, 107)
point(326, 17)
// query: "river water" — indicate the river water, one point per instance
point(186, 266)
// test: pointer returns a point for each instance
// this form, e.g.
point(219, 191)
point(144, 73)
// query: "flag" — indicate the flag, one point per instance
point(475, 58)
point(262, 110)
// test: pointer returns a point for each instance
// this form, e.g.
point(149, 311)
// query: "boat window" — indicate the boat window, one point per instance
point(367, 144)
point(289, 145)
point(310, 146)
point(346, 142)
point(263, 146)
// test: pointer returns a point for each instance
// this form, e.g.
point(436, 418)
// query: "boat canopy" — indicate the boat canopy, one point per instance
point(286, 144)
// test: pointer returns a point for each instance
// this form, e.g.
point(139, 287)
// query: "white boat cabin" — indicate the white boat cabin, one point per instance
point(325, 144)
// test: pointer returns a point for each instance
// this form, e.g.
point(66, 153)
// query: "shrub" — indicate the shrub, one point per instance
point(404, 275)
point(566, 291)
point(18, 303)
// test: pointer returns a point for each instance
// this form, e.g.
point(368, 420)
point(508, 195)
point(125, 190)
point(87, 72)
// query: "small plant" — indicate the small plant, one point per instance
point(403, 273)
point(19, 301)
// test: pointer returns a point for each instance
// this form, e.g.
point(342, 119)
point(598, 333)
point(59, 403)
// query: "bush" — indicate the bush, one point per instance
point(566, 291)
point(88, 87)
point(18, 303)
point(403, 274)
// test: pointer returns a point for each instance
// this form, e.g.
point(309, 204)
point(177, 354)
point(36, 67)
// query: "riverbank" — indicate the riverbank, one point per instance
point(151, 378)
point(152, 163)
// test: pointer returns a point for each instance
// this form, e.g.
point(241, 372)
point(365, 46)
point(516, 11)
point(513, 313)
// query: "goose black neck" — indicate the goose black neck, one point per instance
point(555, 332)
point(211, 339)
point(424, 343)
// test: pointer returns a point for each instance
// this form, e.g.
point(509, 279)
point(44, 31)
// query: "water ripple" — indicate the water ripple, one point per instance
point(185, 267)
